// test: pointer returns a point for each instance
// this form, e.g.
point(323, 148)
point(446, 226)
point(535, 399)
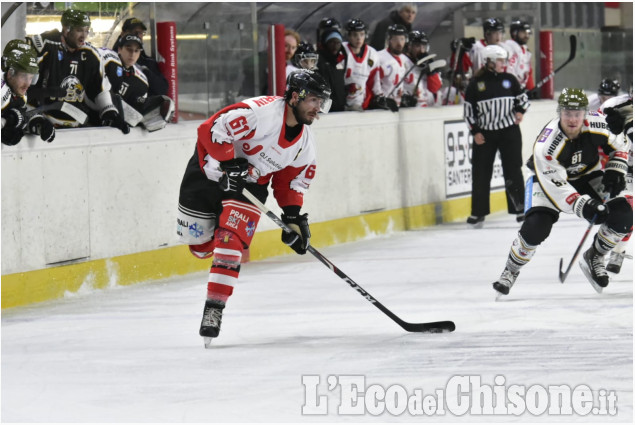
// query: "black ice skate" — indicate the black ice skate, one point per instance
point(476, 222)
point(592, 265)
point(212, 317)
point(505, 282)
point(615, 262)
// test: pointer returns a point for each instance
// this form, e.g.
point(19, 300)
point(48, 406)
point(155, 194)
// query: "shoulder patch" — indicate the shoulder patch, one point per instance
point(544, 135)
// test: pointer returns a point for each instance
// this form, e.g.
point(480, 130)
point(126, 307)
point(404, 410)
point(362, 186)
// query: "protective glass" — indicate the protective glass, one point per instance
point(577, 114)
point(318, 102)
point(23, 77)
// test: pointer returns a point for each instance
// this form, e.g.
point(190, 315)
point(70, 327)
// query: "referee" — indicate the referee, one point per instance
point(494, 106)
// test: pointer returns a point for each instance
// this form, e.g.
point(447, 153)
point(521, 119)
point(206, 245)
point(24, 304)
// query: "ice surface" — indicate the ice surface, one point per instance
point(133, 354)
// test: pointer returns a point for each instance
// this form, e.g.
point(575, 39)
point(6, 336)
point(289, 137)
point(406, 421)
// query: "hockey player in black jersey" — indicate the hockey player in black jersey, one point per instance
point(73, 86)
point(568, 177)
point(130, 86)
point(19, 71)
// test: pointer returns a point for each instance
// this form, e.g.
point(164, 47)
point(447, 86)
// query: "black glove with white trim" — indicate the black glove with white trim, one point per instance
point(588, 208)
point(300, 238)
point(614, 120)
point(11, 136)
point(613, 182)
point(14, 118)
point(114, 119)
point(43, 127)
point(234, 176)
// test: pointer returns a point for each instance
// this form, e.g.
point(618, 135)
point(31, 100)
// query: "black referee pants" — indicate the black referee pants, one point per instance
point(509, 142)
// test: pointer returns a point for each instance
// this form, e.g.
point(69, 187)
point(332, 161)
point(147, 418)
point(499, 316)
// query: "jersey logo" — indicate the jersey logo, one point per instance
point(74, 89)
point(480, 86)
point(370, 62)
point(544, 135)
point(119, 71)
point(253, 151)
point(507, 84)
point(60, 55)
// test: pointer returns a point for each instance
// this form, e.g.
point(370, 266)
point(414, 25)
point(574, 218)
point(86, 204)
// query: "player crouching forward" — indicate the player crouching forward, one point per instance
point(568, 178)
point(249, 144)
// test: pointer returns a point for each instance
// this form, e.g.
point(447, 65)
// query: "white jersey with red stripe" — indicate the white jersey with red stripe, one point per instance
point(391, 72)
point(519, 64)
point(362, 76)
point(476, 54)
point(255, 129)
point(428, 85)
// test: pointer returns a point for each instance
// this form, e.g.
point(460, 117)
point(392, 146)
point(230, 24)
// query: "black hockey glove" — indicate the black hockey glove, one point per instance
point(588, 208)
point(11, 135)
point(14, 118)
point(408, 101)
point(301, 237)
point(43, 127)
point(614, 120)
point(613, 182)
point(113, 119)
point(234, 175)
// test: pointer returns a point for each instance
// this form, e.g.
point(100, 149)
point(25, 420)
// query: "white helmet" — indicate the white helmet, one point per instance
point(493, 52)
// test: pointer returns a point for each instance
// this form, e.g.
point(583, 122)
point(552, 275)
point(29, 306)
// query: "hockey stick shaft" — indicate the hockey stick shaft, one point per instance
point(419, 62)
point(431, 327)
point(572, 52)
point(563, 275)
point(455, 69)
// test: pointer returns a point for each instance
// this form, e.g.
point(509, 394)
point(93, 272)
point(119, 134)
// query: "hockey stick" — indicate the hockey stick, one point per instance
point(431, 327)
point(563, 275)
point(572, 50)
point(418, 63)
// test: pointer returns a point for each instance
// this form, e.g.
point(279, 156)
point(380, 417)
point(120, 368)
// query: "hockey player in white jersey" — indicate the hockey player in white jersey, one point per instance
point(608, 88)
point(392, 63)
point(362, 67)
point(618, 113)
point(493, 30)
point(250, 144)
point(519, 62)
point(422, 84)
point(568, 177)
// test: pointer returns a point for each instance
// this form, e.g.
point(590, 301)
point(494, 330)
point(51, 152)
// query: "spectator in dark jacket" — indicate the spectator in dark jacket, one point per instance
point(158, 84)
point(405, 16)
point(332, 66)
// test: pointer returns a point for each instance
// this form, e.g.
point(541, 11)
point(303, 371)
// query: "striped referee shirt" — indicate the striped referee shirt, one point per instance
point(492, 100)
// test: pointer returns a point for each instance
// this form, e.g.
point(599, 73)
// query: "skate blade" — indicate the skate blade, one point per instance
point(587, 274)
point(207, 341)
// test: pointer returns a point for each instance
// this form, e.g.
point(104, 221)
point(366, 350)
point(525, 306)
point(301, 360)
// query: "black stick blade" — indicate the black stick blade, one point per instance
point(431, 327)
point(574, 44)
point(562, 274)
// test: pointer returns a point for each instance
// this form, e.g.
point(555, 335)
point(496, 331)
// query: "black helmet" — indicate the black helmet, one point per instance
point(418, 37)
point(325, 24)
point(304, 54)
point(75, 18)
point(356, 25)
point(609, 87)
point(396, 29)
point(516, 26)
point(305, 81)
point(493, 24)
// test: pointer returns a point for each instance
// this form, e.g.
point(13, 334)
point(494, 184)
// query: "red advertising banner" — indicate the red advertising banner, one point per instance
point(546, 63)
point(166, 46)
